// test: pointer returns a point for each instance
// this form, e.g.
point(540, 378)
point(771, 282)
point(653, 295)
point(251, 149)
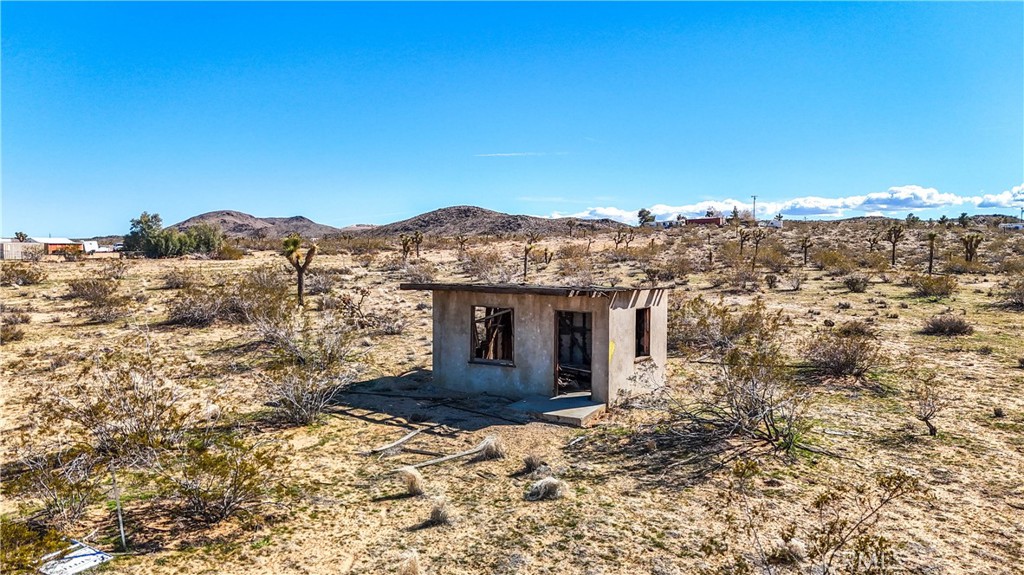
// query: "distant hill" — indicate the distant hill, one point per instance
point(474, 221)
point(242, 225)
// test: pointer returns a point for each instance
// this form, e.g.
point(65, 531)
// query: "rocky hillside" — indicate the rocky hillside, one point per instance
point(471, 220)
point(239, 224)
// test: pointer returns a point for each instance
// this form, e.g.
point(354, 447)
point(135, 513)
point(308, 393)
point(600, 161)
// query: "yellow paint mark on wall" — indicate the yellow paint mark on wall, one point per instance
point(611, 350)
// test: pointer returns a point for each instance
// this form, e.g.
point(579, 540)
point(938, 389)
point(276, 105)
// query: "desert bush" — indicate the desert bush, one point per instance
point(836, 355)
point(259, 294)
point(490, 266)
point(125, 403)
point(771, 280)
point(319, 284)
point(25, 544)
point(835, 262)
point(301, 396)
point(856, 283)
point(947, 324)
point(115, 269)
point(700, 324)
point(421, 272)
point(958, 265)
point(855, 328)
point(180, 278)
point(774, 257)
point(9, 333)
point(66, 481)
point(298, 341)
point(1011, 265)
point(569, 251)
point(104, 303)
point(932, 286)
point(228, 252)
point(225, 477)
point(1013, 292)
point(547, 488)
point(21, 274)
point(795, 281)
point(576, 271)
point(926, 401)
point(196, 307)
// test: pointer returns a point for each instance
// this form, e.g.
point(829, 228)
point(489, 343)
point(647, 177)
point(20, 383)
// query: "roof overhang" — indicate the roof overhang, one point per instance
point(524, 289)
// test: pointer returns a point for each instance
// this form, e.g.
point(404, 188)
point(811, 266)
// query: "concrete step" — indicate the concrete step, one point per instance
point(576, 409)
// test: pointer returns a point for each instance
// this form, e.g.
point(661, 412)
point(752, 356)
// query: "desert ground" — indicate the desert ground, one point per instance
point(625, 506)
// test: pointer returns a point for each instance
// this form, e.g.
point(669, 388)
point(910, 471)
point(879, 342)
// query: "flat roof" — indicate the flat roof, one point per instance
point(565, 291)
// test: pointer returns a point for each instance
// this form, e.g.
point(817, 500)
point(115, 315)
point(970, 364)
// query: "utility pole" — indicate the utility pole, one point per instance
point(753, 210)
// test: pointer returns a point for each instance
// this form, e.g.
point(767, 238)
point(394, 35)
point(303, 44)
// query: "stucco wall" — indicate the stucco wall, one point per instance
point(627, 374)
point(534, 349)
point(534, 336)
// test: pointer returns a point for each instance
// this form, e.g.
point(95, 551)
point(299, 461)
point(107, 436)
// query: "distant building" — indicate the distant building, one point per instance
point(1012, 227)
point(15, 250)
point(59, 245)
point(712, 221)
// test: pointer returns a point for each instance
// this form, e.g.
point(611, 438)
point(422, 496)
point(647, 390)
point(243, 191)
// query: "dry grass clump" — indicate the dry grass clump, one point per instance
point(1013, 293)
point(492, 448)
point(856, 328)
point(947, 324)
point(410, 564)
point(547, 488)
point(413, 480)
point(440, 514)
point(179, 278)
point(532, 462)
point(9, 333)
point(9, 320)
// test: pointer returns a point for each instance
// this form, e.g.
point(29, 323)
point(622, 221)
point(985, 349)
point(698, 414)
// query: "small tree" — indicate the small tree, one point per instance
point(926, 400)
point(292, 251)
point(971, 243)
point(894, 235)
point(757, 237)
point(644, 217)
point(963, 220)
point(805, 244)
point(406, 241)
point(21, 236)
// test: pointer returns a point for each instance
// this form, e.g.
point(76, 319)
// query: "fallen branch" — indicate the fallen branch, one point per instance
point(489, 448)
point(399, 442)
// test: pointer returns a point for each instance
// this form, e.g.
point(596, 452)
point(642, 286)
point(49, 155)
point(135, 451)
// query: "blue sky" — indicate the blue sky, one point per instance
point(368, 113)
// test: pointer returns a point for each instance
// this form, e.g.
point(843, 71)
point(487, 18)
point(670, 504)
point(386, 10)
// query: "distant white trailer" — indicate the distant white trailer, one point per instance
point(90, 247)
point(1012, 227)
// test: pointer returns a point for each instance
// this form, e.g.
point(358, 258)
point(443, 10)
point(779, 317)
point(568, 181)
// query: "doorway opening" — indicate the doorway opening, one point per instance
point(574, 335)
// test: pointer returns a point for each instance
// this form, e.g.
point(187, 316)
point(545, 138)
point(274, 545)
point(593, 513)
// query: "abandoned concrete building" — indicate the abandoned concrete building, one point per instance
point(594, 345)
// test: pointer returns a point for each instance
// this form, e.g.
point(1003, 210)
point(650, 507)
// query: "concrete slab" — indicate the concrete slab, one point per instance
point(577, 409)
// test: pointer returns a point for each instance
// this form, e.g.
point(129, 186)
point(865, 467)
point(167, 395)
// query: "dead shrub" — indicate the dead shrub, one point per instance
point(492, 447)
point(1013, 292)
point(947, 324)
point(421, 272)
point(836, 355)
point(115, 269)
point(855, 328)
point(576, 271)
point(319, 284)
point(932, 286)
point(9, 333)
point(224, 477)
point(440, 513)
point(104, 304)
point(298, 341)
point(300, 396)
point(491, 267)
point(410, 564)
point(21, 274)
point(180, 278)
point(547, 488)
point(196, 307)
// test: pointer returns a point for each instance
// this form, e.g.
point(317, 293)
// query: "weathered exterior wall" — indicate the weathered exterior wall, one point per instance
point(20, 250)
point(627, 374)
point(615, 370)
point(534, 351)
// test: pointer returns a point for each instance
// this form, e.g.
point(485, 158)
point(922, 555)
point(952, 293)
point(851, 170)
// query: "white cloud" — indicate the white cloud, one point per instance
point(898, 199)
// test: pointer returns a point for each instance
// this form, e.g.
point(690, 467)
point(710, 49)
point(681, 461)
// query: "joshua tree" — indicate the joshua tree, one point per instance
point(21, 236)
point(292, 251)
point(971, 243)
point(571, 224)
point(417, 238)
point(644, 217)
point(873, 240)
point(744, 235)
point(461, 241)
point(963, 220)
point(406, 246)
point(630, 236)
point(805, 244)
point(931, 250)
point(757, 237)
point(893, 235)
point(531, 239)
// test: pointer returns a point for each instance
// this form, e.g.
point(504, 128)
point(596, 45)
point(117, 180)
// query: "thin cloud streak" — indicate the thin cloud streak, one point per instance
point(897, 199)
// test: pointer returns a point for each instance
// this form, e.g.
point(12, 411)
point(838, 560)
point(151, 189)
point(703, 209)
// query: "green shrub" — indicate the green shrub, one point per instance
point(24, 545)
point(223, 478)
point(932, 286)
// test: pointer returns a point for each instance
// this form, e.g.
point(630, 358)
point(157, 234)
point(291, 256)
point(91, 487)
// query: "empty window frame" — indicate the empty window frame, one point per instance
point(643, 332)
point(492, 334)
